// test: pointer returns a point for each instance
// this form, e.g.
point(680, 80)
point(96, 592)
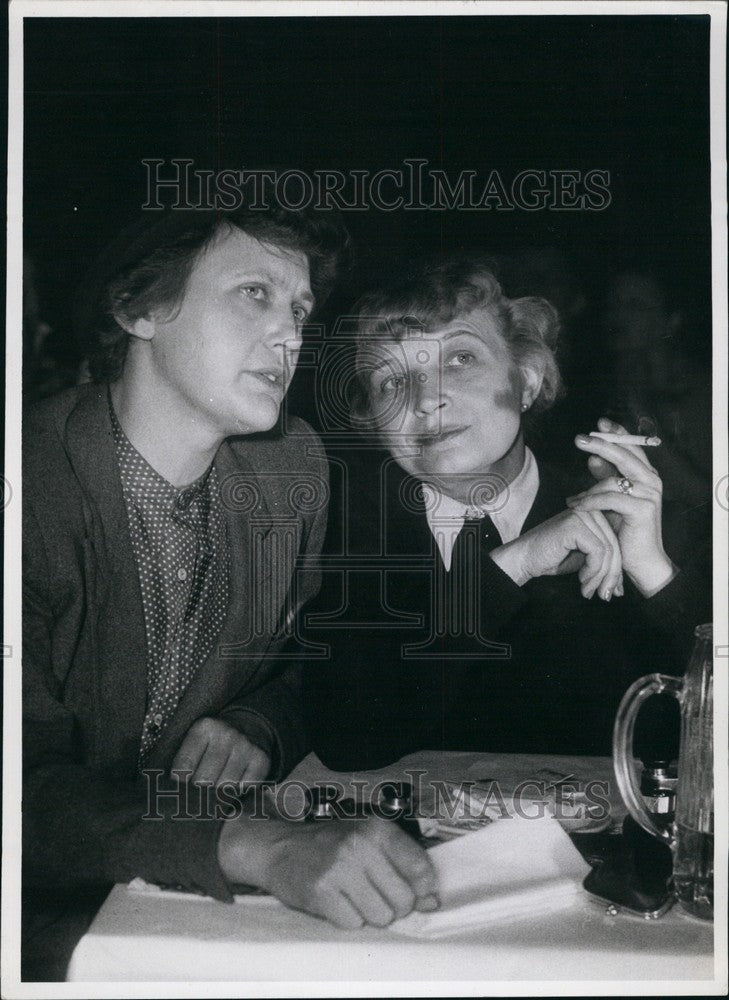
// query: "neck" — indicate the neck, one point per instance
point(166, 432)
point(488, 484)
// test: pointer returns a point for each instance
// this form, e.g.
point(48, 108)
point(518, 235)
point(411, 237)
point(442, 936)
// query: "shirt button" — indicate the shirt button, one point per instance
point(182, 573)
point(158, 720)
point(183, 500)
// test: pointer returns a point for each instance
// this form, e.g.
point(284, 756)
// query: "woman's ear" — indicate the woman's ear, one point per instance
point(531, 371)
point(143, 327)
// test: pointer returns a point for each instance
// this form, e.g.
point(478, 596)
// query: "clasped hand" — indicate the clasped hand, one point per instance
point(634, 508)
point(215, 753)
point(574, 540)
point(605, 531)
point(349, 871)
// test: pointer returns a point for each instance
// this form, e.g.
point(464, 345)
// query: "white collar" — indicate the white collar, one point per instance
point(509, 511)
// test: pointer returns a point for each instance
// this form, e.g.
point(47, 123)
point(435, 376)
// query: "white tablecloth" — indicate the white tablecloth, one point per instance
point(169, 938)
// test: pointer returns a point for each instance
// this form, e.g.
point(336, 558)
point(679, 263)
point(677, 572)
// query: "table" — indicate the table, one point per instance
point(172, 938)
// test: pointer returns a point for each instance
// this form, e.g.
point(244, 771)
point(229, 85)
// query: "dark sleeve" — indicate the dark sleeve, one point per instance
point(83, 827)
point(500, 598)
point(660, 637)
point(675, 611)
point(271, 716)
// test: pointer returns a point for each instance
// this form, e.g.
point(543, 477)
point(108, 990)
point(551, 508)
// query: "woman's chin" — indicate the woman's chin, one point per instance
point(257, 419)
point(446, 466)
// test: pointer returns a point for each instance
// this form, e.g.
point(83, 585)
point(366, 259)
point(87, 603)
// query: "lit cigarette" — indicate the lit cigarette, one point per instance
point(645, 442)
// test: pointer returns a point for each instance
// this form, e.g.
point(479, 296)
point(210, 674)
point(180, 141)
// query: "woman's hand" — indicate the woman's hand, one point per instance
point(215, 753)
point(634, 494)
point(350, 871)
point(572, 541)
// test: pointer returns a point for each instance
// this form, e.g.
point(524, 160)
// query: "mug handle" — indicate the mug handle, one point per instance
point(632, 700)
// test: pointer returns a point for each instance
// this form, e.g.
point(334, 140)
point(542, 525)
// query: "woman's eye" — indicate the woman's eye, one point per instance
point(461, 359)
point(253, 291)
point(393, 384)
point(300, 314)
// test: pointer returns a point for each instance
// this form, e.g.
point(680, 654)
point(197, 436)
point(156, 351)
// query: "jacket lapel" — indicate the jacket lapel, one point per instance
point(113, 595)
point(406, 530)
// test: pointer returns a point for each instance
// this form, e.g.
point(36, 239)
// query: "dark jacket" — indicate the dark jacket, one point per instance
point(85, 657)
point(543, 674)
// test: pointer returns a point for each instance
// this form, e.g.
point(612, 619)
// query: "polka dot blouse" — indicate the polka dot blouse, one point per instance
point(182, 554)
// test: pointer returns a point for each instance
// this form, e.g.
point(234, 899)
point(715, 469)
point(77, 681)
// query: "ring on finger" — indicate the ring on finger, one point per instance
point(625, 485)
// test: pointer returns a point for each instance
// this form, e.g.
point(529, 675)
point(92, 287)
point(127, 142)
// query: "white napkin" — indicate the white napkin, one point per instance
point(513, 867)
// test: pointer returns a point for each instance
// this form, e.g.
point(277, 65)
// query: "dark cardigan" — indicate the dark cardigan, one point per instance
point(545, 676)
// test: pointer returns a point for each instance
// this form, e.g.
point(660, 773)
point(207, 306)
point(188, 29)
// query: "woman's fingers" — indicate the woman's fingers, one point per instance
point(639, 533)
point(611, 500)
point(593, 569)
point(600, 469)
point(602, 568)
point(390, 884)
point(611, 487)
point(368, 901)
point(233, 771)
point(394, 873)
point(613, 579)
point(623, 458)
point(339, 910)
point(577, 540)
point(412, 864)
point(602, 573)
point(612, 427)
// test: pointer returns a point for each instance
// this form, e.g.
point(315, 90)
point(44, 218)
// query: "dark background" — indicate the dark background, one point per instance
point(625, 94)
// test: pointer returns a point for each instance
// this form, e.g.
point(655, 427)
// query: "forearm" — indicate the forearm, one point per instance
point(651, 577)
point(248, 849)
point(82, 829)
point(509, 562)
point(349, 871)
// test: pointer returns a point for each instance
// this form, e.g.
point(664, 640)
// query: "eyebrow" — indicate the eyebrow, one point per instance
point(461, 333)
point(265, 276)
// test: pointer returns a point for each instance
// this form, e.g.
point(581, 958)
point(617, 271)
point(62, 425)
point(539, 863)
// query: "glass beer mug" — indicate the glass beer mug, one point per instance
point(691, 836)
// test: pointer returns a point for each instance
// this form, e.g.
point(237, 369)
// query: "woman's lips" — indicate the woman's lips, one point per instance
point(271, 379)
point(432, 440)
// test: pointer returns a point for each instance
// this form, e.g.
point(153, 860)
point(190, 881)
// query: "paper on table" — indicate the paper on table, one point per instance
point(512, 867)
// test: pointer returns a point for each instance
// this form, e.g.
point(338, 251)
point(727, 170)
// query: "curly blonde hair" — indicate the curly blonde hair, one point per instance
point(439, 293)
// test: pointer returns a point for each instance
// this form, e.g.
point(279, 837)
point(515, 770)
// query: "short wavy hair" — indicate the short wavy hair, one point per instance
point(148, 266)
point(437, 294)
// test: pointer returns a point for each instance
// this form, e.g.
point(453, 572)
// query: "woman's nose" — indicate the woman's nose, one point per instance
point(427, 394)
point(283, 330)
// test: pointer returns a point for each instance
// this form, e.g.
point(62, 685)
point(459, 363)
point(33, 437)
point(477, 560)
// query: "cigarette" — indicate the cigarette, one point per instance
point(645, 442)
